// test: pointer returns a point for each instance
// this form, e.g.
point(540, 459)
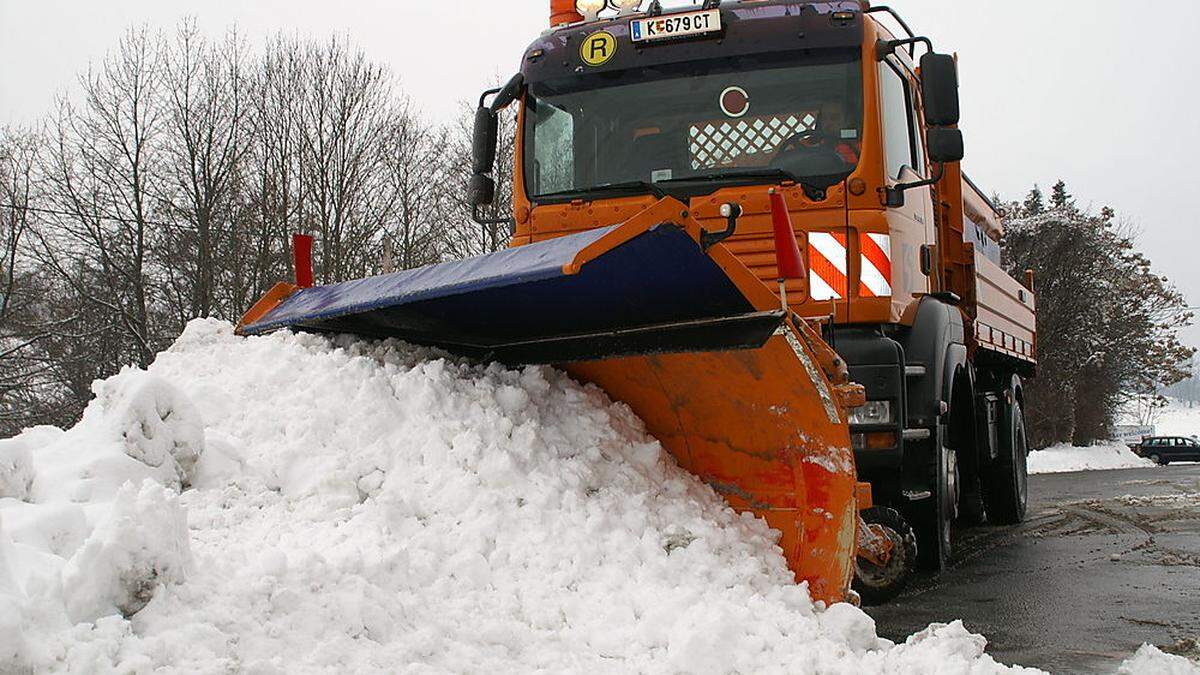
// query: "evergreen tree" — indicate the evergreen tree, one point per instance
point(1035, 203)
point(1059, 197)
point(1108, 326)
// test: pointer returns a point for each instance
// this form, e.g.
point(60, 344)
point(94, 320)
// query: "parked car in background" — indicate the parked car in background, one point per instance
point(1167, 449)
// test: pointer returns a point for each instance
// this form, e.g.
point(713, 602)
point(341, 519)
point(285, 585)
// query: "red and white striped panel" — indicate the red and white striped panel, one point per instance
point(875, 277)
point(827, 264)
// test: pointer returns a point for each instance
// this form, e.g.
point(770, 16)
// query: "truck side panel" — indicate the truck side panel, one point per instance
point(1005, 318)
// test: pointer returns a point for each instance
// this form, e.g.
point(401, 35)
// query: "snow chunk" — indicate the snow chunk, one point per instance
point(1066, 459)
point(16, 469)
point(141, 543)
point(155, 422)
point(1151, 660)
point(14, 656)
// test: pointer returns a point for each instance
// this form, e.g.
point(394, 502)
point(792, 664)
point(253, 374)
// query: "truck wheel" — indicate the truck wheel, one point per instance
point(933, 518)
point(1006, 484)
point(877, 584)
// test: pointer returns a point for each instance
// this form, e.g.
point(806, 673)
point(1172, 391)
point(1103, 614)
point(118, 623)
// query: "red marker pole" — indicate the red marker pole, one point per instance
point(302, 248)
point(787, 251)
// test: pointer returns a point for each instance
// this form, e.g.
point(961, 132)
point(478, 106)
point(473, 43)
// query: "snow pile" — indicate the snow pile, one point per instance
point(1065, 459)
point(90, 519)
point(1150, 660)
point(374, 508)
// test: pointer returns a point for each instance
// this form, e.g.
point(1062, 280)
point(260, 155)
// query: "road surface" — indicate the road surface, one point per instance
point(1107, 561)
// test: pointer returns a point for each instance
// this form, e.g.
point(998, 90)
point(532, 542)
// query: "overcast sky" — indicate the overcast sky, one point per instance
point(1102, 93)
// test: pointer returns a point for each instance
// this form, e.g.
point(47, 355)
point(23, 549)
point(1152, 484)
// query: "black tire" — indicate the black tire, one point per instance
point(876, 585)
point(1006, 483)
point(933, 518)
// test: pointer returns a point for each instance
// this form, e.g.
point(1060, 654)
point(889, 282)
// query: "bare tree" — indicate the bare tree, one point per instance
point(18, 152)
point(417, 183)
point(206, 141)
point(103, 172)
point(344, 119)
point(274, 184)
point(464, 236)
point(168, 185)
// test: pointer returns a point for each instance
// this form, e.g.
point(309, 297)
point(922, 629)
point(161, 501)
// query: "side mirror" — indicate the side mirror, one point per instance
point(482, 191)
point(945, 145)
point(508, 93)
point(939, 89)
point(483, 140)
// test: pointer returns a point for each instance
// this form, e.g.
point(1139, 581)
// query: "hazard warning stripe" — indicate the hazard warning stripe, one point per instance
point(875, 277)
point(827, 261)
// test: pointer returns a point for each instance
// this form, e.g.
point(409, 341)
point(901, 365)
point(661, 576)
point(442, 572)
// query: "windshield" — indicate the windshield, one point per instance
point(710, 122)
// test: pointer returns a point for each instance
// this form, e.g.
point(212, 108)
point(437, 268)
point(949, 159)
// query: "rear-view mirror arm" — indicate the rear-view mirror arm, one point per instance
point(894, 196)
point(885, 48)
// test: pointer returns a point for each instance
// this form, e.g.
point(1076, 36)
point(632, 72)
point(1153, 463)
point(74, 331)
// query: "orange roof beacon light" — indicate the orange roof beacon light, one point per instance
point(563, 12)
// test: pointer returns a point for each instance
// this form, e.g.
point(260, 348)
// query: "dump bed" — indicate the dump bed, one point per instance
point(1005, 309)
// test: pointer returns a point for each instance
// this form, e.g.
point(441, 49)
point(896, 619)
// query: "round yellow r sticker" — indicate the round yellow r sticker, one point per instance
point(598, 48)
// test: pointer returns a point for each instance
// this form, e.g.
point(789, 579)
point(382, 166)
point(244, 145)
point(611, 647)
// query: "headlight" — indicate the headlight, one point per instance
point(873, 413)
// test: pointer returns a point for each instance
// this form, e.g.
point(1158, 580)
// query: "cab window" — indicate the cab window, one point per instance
point(553, 170)
point(899, 121)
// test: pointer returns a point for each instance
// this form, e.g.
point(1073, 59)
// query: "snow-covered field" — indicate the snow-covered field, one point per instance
point(1178, 420)
point(295, 504)
point(1064, 459)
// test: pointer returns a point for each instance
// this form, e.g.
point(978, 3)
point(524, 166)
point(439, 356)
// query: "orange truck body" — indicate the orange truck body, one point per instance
point(942, 243)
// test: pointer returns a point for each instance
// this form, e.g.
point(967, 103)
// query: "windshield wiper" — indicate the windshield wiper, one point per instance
point(747, 176)
point(630, 187)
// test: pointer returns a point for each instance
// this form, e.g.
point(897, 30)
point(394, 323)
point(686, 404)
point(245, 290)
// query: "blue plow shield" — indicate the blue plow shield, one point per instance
point(656, 292)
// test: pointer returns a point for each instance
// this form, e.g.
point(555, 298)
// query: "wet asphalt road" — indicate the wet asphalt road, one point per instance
point(1107, 561)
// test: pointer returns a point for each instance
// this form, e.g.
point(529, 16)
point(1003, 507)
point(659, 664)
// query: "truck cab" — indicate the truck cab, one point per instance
point(856, 125)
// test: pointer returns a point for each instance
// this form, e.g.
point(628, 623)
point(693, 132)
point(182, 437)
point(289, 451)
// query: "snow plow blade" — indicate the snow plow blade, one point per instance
point(736, 389)
point(572, 299)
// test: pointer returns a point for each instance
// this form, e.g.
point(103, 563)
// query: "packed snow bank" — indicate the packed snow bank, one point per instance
point(1150, 660)
point(374, 508)
point(90, 519)
point(1065, 459)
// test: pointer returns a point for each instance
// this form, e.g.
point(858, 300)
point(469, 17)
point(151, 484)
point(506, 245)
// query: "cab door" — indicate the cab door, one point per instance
point(911, 224)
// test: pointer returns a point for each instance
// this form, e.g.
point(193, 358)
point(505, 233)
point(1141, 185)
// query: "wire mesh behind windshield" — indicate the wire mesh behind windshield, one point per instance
point(800, 115)
point(717, 144)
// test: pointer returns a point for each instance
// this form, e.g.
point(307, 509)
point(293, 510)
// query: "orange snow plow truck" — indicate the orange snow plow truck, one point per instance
point(747, 221)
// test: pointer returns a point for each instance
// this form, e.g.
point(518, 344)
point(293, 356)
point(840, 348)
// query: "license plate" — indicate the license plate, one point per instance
point(675, 26)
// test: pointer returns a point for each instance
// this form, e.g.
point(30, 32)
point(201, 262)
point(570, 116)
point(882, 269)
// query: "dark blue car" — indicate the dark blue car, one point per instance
point(1167, 449)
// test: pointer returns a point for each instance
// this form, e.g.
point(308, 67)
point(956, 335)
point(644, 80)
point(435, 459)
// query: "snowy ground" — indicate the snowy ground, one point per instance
point(295, 504)
point(1179, 419)
point(1176, 420)
point(1064, 459)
